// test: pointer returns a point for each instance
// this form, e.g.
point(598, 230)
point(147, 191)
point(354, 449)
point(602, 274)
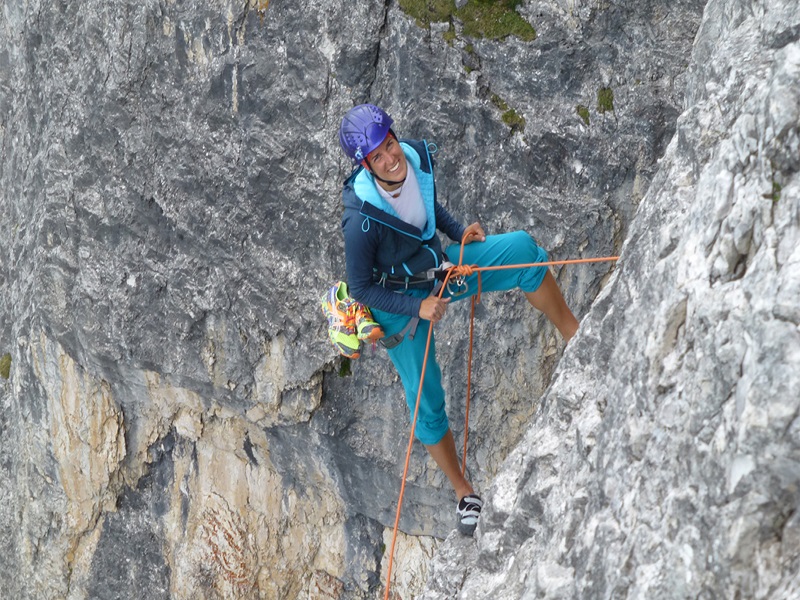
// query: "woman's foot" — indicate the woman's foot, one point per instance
point(467, 513)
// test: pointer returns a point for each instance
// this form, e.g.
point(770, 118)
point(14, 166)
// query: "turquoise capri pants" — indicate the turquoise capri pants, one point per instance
point(517, 247)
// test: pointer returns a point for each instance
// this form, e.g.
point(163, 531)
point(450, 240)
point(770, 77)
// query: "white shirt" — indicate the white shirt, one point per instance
point(408, 205)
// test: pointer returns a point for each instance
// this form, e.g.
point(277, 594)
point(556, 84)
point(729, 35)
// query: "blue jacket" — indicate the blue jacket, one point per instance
point(377, 241)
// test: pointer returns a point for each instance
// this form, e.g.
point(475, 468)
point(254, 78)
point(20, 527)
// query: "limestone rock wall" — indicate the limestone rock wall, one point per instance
point(174, 423)
point(665, 460)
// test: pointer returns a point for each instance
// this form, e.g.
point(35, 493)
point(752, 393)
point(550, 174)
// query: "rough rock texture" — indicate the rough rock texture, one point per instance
point(665, 459)
point(175, 424)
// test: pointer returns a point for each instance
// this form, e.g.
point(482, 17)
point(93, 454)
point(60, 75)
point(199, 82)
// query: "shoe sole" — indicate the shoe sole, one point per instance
point(373, 336)
point(467, 530)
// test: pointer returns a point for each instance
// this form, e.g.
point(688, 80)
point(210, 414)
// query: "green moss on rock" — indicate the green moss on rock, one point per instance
point(499, 102)
point(514, 120)
point(345, 367)
point(583, 113)
point(5, 366)
point(426, 12)
point(450, 35)
point(776, 191)
point(493, 19)
point(605, 100)
point(510, 117)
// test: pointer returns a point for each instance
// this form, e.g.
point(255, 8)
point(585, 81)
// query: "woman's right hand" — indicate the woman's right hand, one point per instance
point(433, 308)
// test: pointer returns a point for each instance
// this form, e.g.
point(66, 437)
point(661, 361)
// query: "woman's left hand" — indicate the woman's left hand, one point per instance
point(473, 233)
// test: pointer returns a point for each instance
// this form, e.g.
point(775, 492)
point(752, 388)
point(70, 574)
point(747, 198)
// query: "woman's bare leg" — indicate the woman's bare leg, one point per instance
point(550, 301)
point(444, 453)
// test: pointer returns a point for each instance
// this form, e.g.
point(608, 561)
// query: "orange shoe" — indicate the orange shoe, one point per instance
point(340, 310)
point(366, 327)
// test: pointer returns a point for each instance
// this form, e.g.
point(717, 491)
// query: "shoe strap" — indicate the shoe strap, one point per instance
point(470, 500)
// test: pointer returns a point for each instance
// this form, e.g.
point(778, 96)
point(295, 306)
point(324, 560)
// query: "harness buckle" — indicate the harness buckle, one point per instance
point(439, 272)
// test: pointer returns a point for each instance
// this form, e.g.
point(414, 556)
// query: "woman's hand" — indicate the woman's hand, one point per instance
point(433, 308)
point(473, 233)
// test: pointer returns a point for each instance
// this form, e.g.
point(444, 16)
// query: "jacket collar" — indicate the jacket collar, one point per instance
point(376, 207)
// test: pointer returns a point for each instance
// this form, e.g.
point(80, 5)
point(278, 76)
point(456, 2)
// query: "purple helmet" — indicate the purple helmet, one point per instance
point(363, 129)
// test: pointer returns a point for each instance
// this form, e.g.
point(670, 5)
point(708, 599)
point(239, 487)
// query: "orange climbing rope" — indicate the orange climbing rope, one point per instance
point(460, 270)
point(475, 300)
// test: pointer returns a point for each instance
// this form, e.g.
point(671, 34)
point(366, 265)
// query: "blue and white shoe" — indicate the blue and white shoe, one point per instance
point(467, 513)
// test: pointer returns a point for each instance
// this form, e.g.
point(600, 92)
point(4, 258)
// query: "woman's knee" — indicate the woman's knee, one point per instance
point(525, 247)
point(431, 432)
point(528, 251)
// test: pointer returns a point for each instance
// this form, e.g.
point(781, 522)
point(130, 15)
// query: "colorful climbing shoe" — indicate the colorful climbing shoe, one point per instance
point(467, 514)
point(366, 327)
point(340, 310)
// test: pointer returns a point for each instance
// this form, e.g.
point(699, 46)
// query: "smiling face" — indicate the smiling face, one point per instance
point(388, 162)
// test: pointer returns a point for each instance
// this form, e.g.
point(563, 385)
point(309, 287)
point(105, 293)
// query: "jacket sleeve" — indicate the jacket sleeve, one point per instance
point(360, 250)
point(447, 224)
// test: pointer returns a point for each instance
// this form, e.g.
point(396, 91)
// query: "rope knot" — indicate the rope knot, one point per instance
point(462, 270)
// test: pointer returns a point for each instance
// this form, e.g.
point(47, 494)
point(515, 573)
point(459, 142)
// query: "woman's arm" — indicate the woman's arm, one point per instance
point(446, 223)
point(360, 248)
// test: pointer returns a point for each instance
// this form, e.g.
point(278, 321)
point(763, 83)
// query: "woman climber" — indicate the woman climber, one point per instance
point(390, 219)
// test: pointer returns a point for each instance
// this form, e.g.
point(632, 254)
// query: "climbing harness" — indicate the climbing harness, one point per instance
point(439, 275)
point(403, 282)
point(410, 330)
point(459, 273)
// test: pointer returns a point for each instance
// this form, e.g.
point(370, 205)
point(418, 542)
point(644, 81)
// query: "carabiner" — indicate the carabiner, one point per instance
point(460, 282)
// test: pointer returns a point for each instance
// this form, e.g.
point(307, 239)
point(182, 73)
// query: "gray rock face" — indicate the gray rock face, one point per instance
point(175, 424)
point(665, 460)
